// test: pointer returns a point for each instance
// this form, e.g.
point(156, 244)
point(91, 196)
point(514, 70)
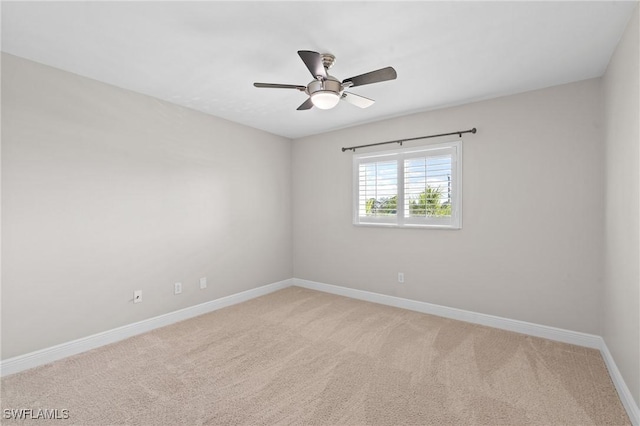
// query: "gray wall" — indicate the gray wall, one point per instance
point(621, 289)
point(531, 244)
point(105, 191)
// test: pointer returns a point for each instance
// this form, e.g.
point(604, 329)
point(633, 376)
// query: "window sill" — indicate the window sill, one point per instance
point(411, 226)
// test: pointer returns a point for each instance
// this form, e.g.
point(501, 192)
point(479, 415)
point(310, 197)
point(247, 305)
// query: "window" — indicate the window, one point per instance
point(410, 187)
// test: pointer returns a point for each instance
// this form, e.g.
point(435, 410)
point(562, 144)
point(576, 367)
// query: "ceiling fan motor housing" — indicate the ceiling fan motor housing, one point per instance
point(328, 85)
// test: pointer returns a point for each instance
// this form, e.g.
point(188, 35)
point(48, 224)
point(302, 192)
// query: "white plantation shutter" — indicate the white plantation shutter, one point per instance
point(418, 187)
point(378, 190)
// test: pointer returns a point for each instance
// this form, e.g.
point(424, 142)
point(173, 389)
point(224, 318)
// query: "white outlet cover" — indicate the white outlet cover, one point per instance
point(177, 288)
point(137, 296)
point(203, 283)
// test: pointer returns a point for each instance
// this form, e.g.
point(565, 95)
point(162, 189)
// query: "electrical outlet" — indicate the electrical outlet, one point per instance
point(400, 277)
point(137, 296)
point(177, 288)
point(203, 283)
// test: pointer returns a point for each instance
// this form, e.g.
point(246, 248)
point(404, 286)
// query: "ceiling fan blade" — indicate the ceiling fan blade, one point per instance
point(313, 61)
point(357, 100)
point(306, 105)
point(280, 86)
point(377, 76)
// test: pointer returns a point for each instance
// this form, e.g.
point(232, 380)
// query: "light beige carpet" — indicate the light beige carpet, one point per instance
point(303, 357)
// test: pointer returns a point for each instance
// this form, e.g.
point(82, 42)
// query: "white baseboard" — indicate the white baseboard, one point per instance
point(537, 330)
point(633, 411)
point(551, 333)
point(54, 353)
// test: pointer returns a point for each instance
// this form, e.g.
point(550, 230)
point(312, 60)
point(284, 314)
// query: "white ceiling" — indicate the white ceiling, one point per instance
point(206, 55)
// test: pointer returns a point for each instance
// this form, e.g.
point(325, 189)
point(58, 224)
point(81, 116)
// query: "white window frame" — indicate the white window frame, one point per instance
point(454, 148)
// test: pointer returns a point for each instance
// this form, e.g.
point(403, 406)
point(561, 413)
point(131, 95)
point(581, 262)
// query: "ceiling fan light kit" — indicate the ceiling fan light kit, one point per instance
point(325, 94)
point(325, 99)
point(326, 91)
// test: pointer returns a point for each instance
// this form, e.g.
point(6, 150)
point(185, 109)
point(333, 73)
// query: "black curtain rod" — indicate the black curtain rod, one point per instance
point(400, 141)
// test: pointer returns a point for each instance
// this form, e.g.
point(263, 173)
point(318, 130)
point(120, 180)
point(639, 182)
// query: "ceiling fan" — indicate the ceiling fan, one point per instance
point(325, 91)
